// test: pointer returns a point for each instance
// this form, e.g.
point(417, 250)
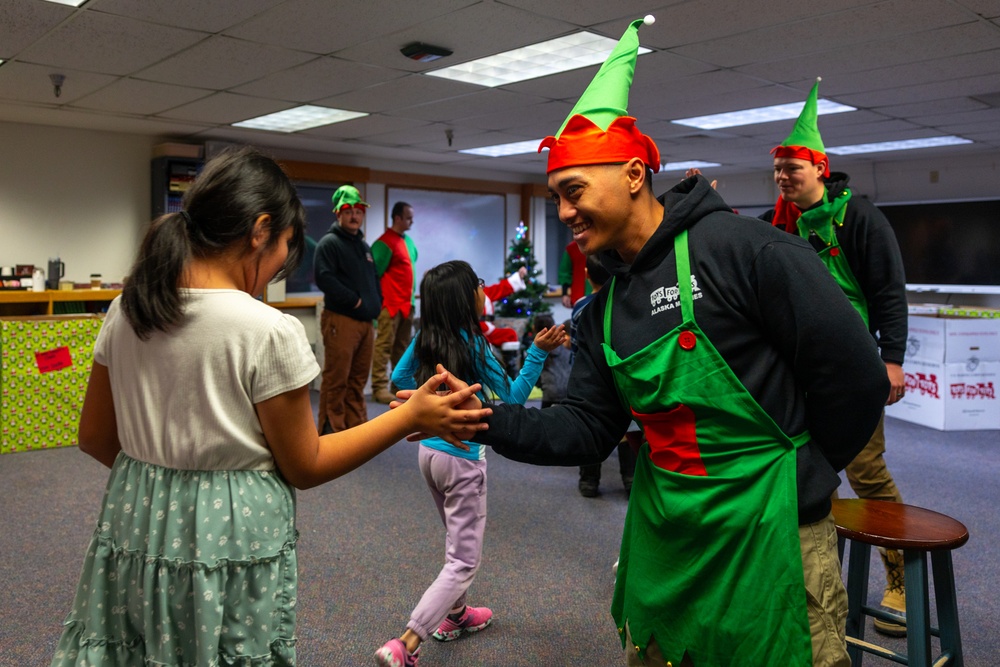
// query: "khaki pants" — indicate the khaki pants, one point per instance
point(347, 357)
point(868, 474)
point(392, 337)
point(826, 602)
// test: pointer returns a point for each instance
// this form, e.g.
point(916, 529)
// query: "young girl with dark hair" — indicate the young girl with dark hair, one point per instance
point(451, 298)
point(198, 401)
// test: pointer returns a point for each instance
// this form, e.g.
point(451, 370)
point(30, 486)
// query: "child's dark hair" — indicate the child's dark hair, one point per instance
point(218, 215)
point(542, 321)
point(449, 323)
point(598, 275)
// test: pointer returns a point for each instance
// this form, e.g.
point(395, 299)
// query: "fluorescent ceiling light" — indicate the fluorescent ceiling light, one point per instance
point(529, 62)
point(760, 115)
point(71, 3)
point(684, 166)
point(883, 146)
point(299, 118)
point(500, 150)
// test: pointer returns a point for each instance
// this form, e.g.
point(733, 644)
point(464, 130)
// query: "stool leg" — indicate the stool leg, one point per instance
point(857, 596)
point(918, 636)
point(947, 606)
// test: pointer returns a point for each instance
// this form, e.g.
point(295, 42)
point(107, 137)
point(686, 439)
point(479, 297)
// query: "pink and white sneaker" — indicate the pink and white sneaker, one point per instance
point(473, 620)
point(394, 654)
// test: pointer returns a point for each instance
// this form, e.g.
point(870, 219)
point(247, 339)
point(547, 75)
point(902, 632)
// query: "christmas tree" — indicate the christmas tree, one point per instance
point(528, 301)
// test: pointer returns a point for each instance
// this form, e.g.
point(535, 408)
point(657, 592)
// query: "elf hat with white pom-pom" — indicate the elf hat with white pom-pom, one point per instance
point(599, 130)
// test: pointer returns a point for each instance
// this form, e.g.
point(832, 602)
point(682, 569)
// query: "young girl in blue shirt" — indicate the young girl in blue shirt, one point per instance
point(451, 298)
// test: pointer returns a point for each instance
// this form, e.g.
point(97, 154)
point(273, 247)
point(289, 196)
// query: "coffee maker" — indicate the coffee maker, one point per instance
point(57, 269)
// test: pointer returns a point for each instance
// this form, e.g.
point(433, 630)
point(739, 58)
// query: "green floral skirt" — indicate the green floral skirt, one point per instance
point(187, 567)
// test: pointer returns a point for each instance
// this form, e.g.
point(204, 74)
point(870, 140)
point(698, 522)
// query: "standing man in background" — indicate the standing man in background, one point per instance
point(857, 245)
point(345, 273)
point(573, 275)
point(395, 257)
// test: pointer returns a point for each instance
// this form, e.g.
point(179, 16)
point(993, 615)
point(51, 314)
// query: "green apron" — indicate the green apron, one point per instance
point(823, 221)
point(710, 561)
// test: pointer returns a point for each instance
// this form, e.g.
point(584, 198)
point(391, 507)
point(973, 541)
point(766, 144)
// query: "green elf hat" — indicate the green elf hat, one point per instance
point(599, 130)
point(347, 196)
point(804, 142)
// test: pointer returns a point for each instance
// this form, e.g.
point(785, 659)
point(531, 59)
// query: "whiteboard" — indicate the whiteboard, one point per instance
point(456, 225)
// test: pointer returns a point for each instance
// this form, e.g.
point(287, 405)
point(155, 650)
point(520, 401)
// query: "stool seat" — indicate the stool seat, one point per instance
point(917, 532)
point(897, 526)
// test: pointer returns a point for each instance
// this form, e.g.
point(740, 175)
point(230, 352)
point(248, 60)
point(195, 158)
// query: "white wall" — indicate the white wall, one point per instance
point(81, 195)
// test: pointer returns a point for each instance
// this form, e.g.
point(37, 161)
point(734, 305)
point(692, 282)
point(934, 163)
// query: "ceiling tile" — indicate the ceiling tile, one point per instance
point(408, 91)
point(878, 54)
point(324, 27)
point(31, 83)
point(475, 104)
point(860, 25)
point(225, 108)
point(950, 121)
point(932, 107)
point(707, 20)
point(132, 96)
point(585, 13)
point(25, 21)
point(367, 126)
point(452, 32)
point(108, 44)
point(212, 17)
point(319, 78)
point(989, 9)
point(223, 62)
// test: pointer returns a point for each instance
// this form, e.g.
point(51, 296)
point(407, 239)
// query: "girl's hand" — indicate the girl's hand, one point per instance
point(549, 339)
point(694, 171)
point(452, 415)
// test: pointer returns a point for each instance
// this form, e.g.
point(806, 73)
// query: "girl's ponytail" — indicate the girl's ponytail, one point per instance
point(151, 298)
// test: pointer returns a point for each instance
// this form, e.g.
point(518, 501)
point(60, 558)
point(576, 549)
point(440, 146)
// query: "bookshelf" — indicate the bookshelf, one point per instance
point(171, 178)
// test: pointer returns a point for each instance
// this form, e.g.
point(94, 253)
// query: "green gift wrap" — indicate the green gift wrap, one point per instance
point(44, 367)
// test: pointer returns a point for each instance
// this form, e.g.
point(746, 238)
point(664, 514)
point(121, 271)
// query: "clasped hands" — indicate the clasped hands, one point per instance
point(452, 414)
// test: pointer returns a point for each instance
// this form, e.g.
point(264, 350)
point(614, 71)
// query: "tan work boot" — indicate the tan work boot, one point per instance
point(894, 597)
point(383, 396)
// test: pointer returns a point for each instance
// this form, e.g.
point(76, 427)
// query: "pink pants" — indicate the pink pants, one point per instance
point(459, 489)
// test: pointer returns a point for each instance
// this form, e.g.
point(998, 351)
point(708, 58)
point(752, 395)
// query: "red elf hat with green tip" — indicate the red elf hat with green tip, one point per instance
point(599, 130)
point(805, 142)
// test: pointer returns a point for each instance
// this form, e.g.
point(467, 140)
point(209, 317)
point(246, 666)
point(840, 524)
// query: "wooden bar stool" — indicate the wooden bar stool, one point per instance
point(916, 532)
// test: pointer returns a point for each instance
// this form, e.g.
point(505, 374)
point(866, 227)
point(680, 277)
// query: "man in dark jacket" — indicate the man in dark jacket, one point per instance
point(345, 272)
point(753, 378)
point(858, 247)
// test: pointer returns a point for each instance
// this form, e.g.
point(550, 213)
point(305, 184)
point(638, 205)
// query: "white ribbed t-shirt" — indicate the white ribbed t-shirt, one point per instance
point(185, 398)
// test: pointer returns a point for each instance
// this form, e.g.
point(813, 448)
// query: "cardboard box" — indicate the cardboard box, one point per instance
point(952, 369)
point(948, 340)
point(957, 396)
point(968, 311)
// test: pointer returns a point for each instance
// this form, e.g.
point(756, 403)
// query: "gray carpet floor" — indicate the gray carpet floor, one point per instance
point(371, 542)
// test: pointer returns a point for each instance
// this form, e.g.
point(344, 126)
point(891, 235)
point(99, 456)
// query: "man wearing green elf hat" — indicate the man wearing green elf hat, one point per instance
point(855, 241)
point(352, 299)
point(725, 339)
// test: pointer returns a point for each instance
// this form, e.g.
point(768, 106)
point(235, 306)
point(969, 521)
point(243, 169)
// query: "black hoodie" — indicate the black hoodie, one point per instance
point(345, 272)
point(769, 306)
point(872, 252)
